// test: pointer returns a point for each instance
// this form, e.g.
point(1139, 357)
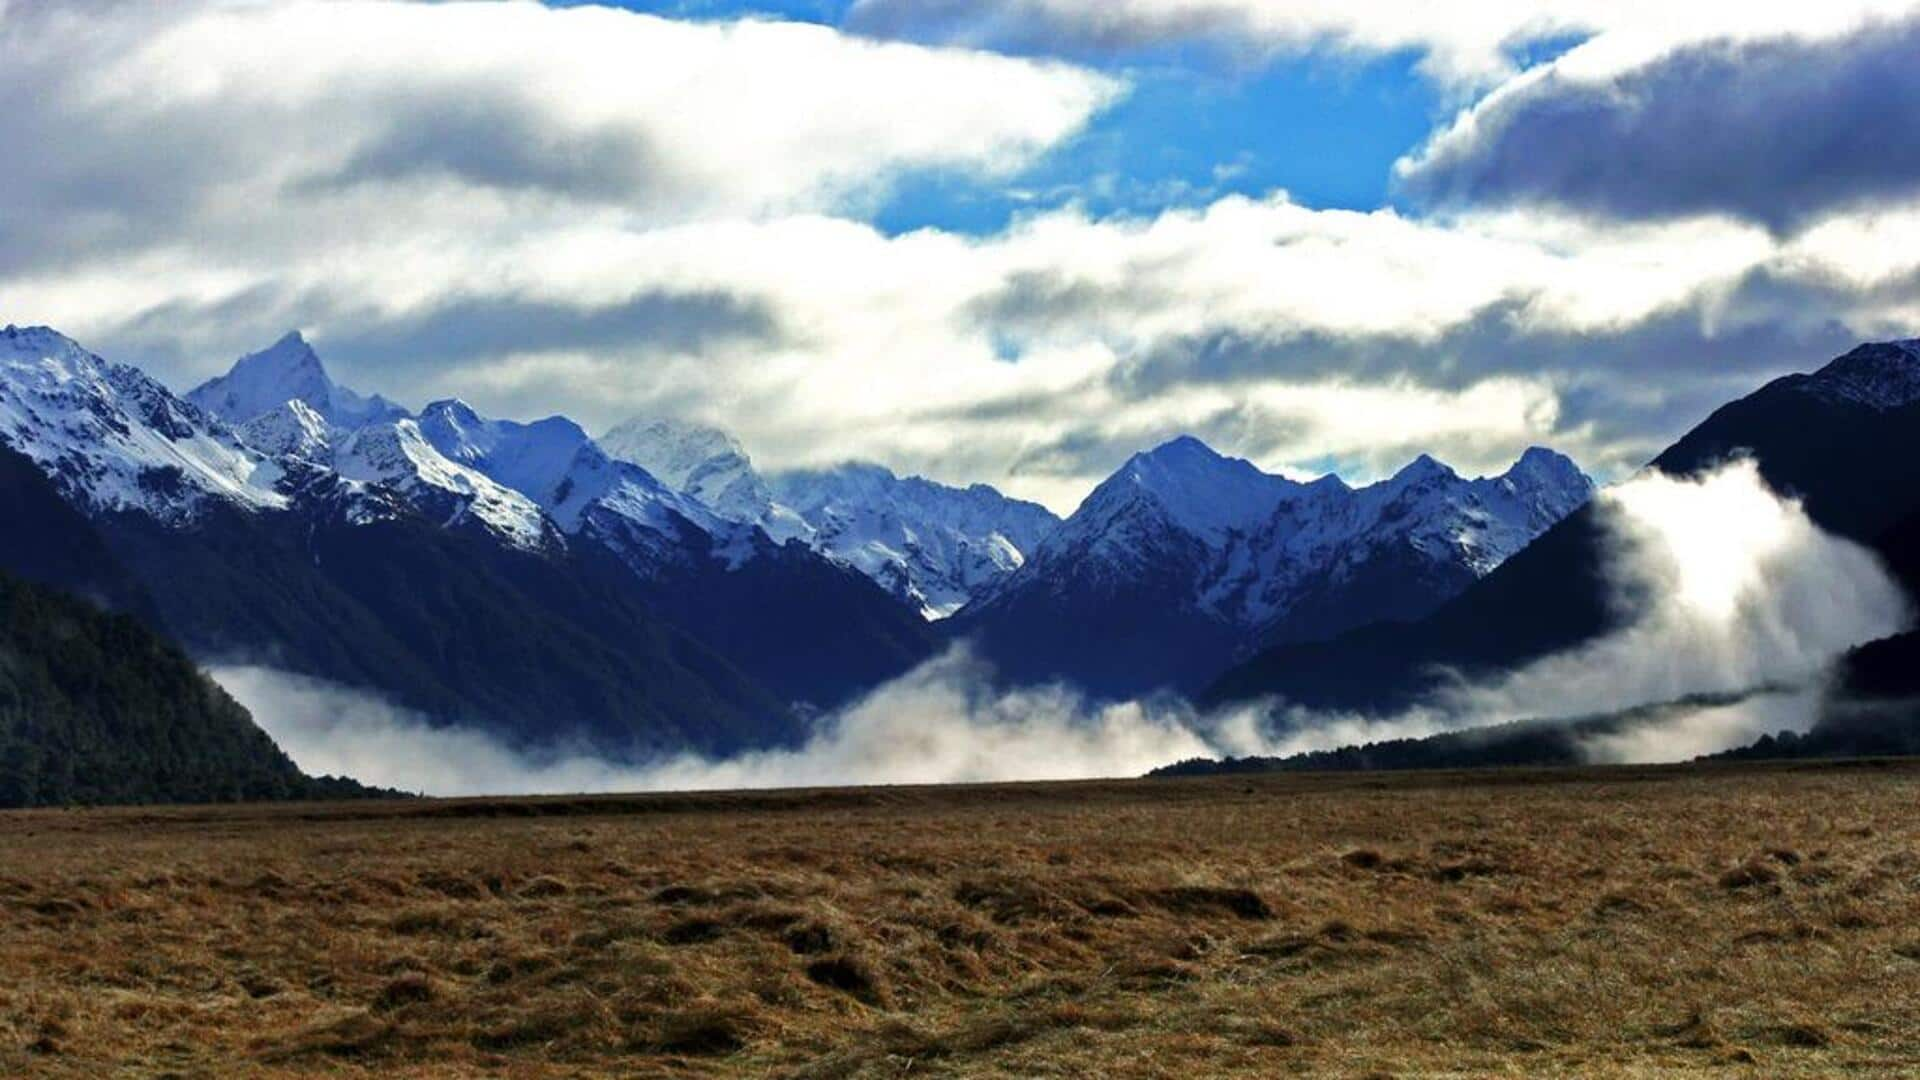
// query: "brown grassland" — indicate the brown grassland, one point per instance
point(1759, 920)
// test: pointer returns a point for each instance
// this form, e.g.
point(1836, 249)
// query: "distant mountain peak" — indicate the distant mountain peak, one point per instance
point(1220, 555)
point(1424, 468)
point(702, 461)
point(292, 430)
point(934, 546)
point(287, 370)
point(1200, 490)
point(453, 409)
point(1540, 467)
point(398, 455)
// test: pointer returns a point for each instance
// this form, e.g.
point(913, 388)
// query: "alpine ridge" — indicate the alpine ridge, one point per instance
point(1185, 557)
point(932, 546)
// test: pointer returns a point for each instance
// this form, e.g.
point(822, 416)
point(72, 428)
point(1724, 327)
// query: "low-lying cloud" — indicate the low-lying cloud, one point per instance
point(1746, 591)
point(941, 723)
point(1744, 597)
point(1749, 597)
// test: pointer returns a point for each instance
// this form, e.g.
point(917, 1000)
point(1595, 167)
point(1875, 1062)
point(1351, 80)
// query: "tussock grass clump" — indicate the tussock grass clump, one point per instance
point(700, 1030)
point(1749, 874)
point(406, 988)
point(852, 975)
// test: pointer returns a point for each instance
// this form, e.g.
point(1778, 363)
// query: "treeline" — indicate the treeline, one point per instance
point(96, 708)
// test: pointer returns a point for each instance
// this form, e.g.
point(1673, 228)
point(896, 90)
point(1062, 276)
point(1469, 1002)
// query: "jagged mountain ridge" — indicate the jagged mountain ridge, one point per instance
point(1184, 557)
point(932, 546)
point(288, 370)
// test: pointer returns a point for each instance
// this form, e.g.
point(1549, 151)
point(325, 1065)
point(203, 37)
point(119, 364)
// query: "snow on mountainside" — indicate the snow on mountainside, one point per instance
point(553, 462)
point(293, 430)
point(1182, 488)
point(934, 546)
point(1425, 514)
point(1254, 526)
point(703, 462)
point(395, 455)
point(1184, 556)
point(288, 370)
point(113, 439)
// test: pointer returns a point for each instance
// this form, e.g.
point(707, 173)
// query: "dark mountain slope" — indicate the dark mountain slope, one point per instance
point(1843, 439)
point(811, 631)
point(44, 540)
point(533, 646)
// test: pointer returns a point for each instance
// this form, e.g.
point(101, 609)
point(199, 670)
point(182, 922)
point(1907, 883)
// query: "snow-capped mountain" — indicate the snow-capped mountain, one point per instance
point(933, 546)
point(554, 463)
point(1296, 576)
point(292, 430)
point(809, 627)
point(113, 439)
point(706, 463)
point(288, 370)
point(1185, 556)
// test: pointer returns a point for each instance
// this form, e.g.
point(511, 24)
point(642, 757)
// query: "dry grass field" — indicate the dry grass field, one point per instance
point(1610, 923)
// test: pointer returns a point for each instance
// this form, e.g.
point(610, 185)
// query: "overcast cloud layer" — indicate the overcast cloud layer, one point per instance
point(602, 213)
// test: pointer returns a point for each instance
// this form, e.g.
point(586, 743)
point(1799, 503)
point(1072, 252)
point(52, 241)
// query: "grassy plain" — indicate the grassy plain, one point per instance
point(1759, 920)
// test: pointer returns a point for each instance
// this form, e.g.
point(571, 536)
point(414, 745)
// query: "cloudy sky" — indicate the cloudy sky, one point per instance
point(1007, 240)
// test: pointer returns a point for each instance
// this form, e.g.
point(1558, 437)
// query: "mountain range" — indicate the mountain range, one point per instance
point(649, 591)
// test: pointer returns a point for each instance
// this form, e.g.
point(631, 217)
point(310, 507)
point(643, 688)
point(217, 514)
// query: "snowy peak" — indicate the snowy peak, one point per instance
point(703, 462)
point(553, 463)
point(1547, 484)
point(113, 439)
point(1540, 467)
point(534, 459)
point(288, 370)
point(1423, 471)
point(1188, 525)
point(933, 546)
point(1199, 490)
point(1883, 375)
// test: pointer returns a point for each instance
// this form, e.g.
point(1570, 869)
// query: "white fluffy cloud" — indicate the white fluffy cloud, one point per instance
point(319, 99)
